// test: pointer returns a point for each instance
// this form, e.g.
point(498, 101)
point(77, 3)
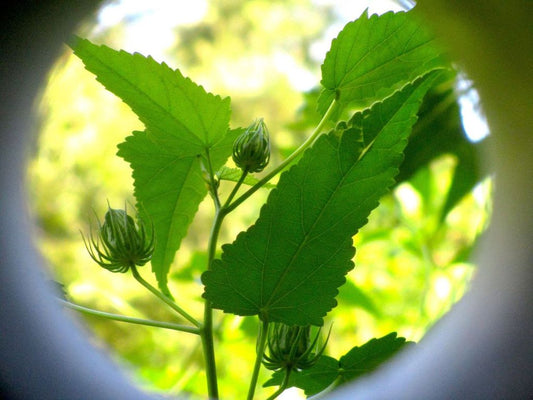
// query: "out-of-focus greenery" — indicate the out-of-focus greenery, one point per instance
point(410, 265)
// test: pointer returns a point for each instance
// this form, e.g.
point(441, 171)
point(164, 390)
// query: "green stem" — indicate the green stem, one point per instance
point(164, 298)
point(283, 385)
point(261, 343)
point(207, 329)
point(209, 351)
point(131, 320)
point(206, 332)
point(308, 142)
point(213, 185)
point(220, 212)
point(235, 189)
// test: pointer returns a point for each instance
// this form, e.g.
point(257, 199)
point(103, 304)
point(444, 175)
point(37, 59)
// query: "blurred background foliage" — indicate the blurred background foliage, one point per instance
point(413, 258)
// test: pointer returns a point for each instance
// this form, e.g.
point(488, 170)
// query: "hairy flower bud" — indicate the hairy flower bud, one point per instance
point(291, 347)
point(120, 242)
point(251, 150)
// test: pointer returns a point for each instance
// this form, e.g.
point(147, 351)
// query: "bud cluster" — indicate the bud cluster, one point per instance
point(251, 150)
point(291, 347)
point(120, 243)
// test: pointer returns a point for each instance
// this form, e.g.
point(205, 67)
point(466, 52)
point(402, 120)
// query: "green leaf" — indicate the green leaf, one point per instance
point(288, 266)
point(168, 187)
point(372, 57)
point(176, 112)
point(234, 174)
point(313, 380)
point(183, 123)
point(366, 358)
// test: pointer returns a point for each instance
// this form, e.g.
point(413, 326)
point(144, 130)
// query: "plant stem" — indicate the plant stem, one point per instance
point(283, 385)
point(131, 320)
point(164, 298)
point(308, 142)
point(260, 349)
point(206, 332)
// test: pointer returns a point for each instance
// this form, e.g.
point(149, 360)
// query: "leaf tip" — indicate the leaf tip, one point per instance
point(73, 41)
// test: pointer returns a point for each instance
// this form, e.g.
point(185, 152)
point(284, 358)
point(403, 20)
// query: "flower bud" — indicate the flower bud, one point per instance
point(291, 347)
point(251, 150)
point(120, 242)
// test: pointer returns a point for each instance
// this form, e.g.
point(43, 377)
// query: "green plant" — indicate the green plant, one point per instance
point(287, 268)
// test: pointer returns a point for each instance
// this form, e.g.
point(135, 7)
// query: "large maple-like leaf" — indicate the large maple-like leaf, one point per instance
point(372, 57)
point(288, 266)
point(176, 112)
point(184, 123)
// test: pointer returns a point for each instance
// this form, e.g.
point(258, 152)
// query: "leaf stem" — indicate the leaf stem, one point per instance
point(260, 349)
point(308, 142)
point(283, 385)
point(131, 320)
point(164, 298)
point(234, 191)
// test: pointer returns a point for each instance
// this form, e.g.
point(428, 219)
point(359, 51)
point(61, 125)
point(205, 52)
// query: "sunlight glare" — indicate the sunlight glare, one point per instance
point(474, 122)
point(409, 199)
point(150, 24)
point(291, 394)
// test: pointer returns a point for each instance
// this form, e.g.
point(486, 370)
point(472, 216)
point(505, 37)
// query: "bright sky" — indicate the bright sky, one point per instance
point(474, 122)
point(150, 30)
point(150, 24)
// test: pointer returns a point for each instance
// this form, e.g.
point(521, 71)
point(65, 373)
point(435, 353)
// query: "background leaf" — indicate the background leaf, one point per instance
point(350, 294)
point(183, 124)
point(234, 174)
point(288, 266)
point(374, 56)
point(438, 131)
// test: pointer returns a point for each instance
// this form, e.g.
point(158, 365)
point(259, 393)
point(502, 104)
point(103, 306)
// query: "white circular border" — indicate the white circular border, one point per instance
point(480, 350)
